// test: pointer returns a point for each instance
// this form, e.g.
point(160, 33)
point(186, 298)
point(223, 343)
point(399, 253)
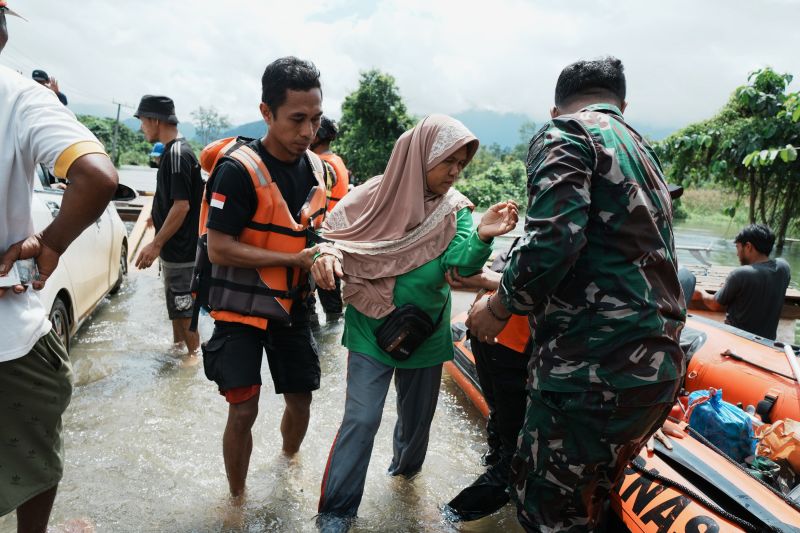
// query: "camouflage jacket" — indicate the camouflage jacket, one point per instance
point(597, 271)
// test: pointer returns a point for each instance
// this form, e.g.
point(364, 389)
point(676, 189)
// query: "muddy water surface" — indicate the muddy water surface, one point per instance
point(143, 440)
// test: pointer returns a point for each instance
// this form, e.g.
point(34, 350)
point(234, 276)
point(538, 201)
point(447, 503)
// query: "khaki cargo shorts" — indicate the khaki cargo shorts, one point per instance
point(34, 392)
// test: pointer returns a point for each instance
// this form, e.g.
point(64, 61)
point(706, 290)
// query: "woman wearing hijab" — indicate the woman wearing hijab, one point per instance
point(394, 238)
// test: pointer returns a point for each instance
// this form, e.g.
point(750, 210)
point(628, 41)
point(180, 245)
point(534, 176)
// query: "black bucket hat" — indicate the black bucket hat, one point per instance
point(157, 107)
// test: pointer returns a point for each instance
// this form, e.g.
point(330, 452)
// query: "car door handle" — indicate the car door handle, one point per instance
point(53, 207)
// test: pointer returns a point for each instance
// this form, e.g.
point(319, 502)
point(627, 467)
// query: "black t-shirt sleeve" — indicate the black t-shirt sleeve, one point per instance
point(180, 173)
point(727, 294)
point(231, 198)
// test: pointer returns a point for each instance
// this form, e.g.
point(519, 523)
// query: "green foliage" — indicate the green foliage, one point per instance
point(209, 123)
point(494, 175)
point(750, 146)
point(132, 148)
point(373, 117)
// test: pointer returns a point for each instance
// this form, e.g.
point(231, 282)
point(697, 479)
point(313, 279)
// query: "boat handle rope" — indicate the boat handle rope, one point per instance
point(744, 524)
point(737, 357)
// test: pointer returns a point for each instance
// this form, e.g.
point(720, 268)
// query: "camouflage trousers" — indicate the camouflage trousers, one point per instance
point(573, 447)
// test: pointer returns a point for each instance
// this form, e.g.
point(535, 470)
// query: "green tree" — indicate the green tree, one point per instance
point(750, 146)
point(373, 117)
point(209, 123)
point(132, 148)
point(501, 180)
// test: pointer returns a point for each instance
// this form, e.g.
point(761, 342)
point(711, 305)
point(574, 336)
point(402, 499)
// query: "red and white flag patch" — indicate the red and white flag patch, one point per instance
point(217, 200)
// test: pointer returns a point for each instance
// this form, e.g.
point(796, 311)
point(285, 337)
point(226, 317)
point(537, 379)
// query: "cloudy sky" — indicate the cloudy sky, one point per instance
point(682, 58)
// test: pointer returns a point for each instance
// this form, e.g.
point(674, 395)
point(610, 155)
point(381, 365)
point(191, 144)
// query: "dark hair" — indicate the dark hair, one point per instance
point(287, 73)
point(327, 131)
point(759, 235)
point(602, 77)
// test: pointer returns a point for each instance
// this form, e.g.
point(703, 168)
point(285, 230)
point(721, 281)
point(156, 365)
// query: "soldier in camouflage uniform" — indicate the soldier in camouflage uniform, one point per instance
point(598, 280)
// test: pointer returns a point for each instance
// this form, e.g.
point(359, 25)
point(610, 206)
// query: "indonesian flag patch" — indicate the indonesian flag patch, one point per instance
point(217, 200)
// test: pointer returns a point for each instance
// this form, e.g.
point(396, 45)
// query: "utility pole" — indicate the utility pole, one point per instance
point(114, 151)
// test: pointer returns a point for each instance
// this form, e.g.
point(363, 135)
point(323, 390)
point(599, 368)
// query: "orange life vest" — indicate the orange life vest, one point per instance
point(253, 296)
point(517, 332)
point(341, 179)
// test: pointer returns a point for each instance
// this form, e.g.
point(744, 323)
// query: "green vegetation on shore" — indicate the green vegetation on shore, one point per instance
point(708, 204)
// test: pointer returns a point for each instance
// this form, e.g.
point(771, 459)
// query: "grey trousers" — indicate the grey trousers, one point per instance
point(367, 384)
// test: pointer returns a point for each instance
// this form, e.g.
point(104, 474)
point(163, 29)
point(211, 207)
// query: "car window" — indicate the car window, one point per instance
point(45, 180)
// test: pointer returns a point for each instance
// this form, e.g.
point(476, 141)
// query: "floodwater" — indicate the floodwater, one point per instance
point(144, 451)
point(143, 435)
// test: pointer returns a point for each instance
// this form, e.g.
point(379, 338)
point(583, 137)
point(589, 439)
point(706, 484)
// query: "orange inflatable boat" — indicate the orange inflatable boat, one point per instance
point(749, 369)
point(693, 488)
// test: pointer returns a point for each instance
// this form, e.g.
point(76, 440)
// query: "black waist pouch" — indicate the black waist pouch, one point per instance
point(405, 329)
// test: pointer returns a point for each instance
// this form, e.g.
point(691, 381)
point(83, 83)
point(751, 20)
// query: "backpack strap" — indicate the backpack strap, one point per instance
point(317, 167)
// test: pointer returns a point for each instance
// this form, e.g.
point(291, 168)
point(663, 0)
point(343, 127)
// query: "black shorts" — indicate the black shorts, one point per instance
point(232, 356)
point(178, 289)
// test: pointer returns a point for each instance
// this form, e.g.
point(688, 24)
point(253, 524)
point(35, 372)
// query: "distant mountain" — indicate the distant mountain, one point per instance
point(492, 127)
point(254, 130)
point(489, 126)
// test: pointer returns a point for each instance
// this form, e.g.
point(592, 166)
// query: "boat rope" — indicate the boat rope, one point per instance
point(737, 357)
point(744, 524)
point(697, 436)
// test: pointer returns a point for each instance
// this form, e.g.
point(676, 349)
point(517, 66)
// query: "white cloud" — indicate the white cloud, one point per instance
point(682, 58)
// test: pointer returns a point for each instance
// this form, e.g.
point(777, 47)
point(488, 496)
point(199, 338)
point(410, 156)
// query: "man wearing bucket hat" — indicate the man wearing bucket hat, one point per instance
point(35, 371)
point(175, 215)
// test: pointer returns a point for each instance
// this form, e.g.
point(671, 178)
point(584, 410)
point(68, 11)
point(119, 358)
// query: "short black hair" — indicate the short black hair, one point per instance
point(287, 73)
point(328, 130)
point(602, 77)
point(759, 235)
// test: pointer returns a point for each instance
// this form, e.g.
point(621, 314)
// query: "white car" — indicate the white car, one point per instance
point(93, 266)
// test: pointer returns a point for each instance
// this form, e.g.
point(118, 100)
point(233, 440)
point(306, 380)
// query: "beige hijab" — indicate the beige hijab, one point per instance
point(393, 224)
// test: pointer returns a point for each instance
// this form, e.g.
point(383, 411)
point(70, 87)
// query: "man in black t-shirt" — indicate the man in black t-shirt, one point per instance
point(292, 107)
point(175, 215)
point(753, 294)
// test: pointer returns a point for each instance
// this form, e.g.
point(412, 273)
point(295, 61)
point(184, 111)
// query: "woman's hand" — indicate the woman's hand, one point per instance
point(485, 279)
point(498, 220)
point(325, 269)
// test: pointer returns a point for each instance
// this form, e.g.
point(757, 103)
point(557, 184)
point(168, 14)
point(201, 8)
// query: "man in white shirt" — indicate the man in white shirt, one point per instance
point(35, 384)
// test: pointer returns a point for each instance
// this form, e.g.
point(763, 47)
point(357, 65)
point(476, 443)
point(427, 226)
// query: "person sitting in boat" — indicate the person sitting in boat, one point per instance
point(395, 237)
point(753, 294)
point(502, 375)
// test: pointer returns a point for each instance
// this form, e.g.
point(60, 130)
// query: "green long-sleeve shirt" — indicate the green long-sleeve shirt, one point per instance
point(426, 288)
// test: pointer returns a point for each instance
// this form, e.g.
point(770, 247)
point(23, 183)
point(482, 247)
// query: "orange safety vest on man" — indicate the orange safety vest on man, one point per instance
point(254, 296)
point(341, 179)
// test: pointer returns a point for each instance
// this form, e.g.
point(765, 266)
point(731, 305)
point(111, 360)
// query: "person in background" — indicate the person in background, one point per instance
point(338, 186)
point(597, 276)
point(35, 371)
point(394, 238)
point(175, 215)
point(502, 375)
point(155, 155)
point(753, 294)
point(41, 77)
